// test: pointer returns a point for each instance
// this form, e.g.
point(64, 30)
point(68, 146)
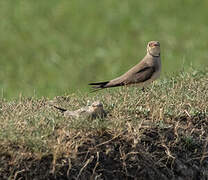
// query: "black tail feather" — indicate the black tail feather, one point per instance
point(102, 85)
point(99, 85)
point(59, 108)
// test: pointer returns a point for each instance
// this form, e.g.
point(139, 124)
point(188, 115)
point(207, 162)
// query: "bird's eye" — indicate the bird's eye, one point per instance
point(151, 44)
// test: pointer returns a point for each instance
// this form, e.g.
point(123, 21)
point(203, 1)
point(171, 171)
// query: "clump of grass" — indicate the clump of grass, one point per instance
point(161, 132)
point(49, 50)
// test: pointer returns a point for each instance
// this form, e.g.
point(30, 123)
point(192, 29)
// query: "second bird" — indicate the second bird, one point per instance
point(146, 71)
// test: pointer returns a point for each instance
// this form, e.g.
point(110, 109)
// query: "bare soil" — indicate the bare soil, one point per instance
point(159, 153)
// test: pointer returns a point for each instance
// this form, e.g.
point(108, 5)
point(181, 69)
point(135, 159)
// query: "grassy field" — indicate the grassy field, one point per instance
point(51, 48)
point(160, 133)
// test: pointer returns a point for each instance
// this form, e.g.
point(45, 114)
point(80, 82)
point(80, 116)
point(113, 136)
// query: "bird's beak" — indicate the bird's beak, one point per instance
point(154, 44)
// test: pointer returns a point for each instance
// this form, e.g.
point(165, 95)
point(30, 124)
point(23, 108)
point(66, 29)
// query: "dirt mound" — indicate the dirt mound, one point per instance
point(173, 152)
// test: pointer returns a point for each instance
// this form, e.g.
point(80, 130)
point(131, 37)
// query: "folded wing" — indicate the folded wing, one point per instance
point(133, 76)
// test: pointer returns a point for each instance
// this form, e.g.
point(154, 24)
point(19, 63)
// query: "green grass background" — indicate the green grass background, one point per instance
point(50, 47)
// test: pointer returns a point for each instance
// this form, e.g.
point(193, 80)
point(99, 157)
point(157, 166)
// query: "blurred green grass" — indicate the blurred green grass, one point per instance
point(50, 48)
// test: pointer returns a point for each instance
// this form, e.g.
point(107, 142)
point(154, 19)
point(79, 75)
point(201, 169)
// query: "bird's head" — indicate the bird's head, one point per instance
point(153, 48)
point(96, 105)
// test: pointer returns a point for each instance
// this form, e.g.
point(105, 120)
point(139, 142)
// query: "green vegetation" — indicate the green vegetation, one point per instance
point(50, 48)
point(159, 133)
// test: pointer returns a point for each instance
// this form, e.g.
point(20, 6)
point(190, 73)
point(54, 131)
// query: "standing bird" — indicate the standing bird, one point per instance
point(146, 71)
